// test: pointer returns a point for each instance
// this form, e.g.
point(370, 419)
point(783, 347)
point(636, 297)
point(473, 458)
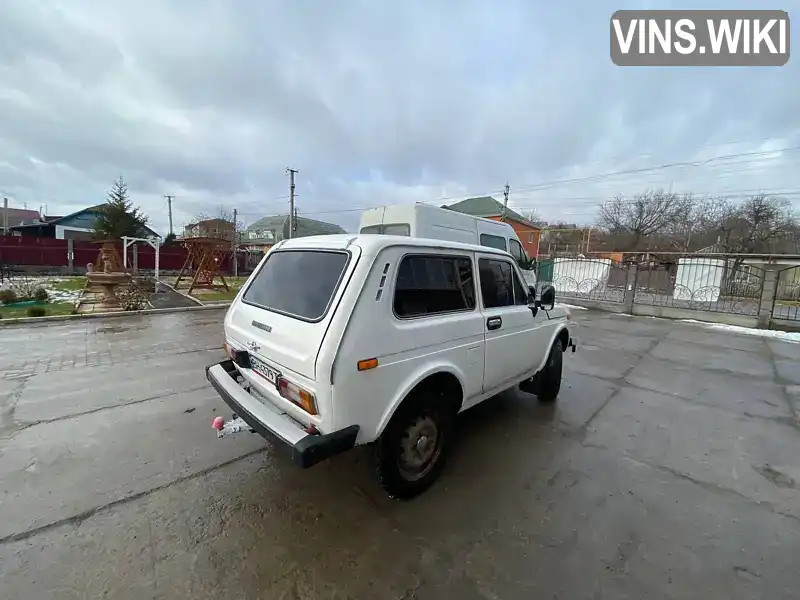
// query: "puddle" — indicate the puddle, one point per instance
point(120, 329)
point(778, 476)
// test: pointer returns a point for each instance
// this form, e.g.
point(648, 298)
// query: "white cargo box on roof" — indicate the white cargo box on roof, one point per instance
point(425, 221)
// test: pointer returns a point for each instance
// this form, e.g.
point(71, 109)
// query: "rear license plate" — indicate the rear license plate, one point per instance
point(263, 369)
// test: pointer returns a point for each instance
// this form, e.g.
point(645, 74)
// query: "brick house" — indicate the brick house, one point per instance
point(489, 208)
point(211, 228)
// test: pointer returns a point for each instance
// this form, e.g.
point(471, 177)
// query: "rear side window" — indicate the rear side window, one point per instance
point(497, 283)
point(429, 285)
point(390, 229)
point(493, 241)
point(298, 283)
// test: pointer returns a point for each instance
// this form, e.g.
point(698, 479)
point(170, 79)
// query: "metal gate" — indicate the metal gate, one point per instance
point(787, 295)
point(699, 283)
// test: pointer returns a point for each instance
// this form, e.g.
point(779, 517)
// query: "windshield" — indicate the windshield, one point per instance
point(298, 283)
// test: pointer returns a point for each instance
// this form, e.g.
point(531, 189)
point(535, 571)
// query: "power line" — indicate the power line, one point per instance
point(665, 166)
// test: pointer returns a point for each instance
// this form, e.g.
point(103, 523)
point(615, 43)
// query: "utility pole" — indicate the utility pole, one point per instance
point(235, 246)
point(5, 216)
point(169, 206)
point(505, 201)
point(292, 173)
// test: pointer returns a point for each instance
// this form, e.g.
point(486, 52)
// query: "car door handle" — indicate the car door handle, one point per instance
point(493, 323)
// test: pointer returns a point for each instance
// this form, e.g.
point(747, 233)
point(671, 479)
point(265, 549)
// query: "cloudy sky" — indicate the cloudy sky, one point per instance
point(374, 102)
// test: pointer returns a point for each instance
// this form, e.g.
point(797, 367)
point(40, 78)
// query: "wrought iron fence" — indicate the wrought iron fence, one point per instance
point(587, 278)
point(699, 283)
point(787, 295)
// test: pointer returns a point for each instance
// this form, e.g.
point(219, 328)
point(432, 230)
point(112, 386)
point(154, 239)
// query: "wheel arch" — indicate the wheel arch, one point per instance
point(440, 377)
point(561, 334)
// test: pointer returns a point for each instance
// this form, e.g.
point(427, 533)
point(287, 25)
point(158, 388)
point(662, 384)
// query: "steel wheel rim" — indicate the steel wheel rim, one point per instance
point(420, 447)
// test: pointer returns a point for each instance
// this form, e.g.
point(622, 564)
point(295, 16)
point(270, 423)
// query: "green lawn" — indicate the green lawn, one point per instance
point(69, 284)
point(57, 308)
point(215, 296)
point(234, 283)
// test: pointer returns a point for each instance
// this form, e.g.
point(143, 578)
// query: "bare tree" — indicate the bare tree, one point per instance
point(532, 215)
point(700, 223)
point(630, 220)
point(760, 224)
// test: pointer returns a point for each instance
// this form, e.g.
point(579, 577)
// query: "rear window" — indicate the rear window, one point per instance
point(298, 283)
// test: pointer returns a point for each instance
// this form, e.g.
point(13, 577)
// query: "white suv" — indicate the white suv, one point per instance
point(341, 340)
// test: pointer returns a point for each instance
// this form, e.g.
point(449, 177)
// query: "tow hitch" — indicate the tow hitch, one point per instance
point(235, 425)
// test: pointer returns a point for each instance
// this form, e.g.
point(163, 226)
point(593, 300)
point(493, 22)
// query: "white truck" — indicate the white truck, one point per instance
point(426, 221)
point(343, 340)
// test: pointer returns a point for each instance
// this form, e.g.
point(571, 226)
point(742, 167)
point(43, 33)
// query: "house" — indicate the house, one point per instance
point(211, 228)
point(489, 208)
point(75, 226)
point(14, 217)
point(266, 232)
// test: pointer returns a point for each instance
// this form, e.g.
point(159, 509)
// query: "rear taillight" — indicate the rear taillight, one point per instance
point(239, 357)
point(297, 395)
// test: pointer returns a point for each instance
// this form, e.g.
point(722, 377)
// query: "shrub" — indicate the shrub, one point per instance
point(8, 296)
point(132, 297)
point(36, 311)
point(25, 286)
point(40, 294)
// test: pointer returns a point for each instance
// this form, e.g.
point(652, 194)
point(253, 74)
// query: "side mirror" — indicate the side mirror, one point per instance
point(531, 295)
point(548, 297)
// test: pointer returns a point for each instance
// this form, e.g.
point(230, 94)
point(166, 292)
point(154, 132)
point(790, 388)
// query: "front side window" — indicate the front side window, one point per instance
point(497, 283)
point(298, 283)
point(520, 291)
point(493, 241)
point(515, 249)
point(429, 285)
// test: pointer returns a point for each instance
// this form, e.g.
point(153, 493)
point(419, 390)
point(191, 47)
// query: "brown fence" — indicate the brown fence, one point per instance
point(50, 253)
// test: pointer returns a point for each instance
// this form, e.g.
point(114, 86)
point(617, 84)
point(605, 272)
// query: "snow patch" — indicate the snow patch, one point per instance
point(785, 336)
point(573, 306)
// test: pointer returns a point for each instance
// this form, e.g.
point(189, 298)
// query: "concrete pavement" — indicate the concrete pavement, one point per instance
point(669, 468)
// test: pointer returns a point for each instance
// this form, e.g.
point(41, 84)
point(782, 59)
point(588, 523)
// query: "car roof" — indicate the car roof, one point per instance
point(373, 243)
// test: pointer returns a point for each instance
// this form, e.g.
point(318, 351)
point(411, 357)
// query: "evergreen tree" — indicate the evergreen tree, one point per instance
point(117, 217)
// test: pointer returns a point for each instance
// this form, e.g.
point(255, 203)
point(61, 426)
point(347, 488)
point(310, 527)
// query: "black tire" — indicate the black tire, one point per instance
point(399, 478)
point(549, 378)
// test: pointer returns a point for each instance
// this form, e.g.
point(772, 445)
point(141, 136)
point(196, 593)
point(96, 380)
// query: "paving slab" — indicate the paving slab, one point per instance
point(56, 470)
point(755, 459)
point(677, 482)
point(724, 359)
point(59, 394)
point(707, 337)
point(726, 390)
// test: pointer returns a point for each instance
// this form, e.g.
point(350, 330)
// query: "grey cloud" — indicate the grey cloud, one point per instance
point(211, 101)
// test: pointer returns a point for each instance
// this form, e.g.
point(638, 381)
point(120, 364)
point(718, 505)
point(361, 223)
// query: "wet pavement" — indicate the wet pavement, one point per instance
point(669, 468)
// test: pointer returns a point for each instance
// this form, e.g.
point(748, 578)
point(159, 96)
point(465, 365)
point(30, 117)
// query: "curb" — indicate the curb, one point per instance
point(131, 313)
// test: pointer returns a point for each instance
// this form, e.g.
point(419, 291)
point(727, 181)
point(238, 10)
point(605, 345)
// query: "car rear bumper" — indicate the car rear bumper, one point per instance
point(304, 448)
